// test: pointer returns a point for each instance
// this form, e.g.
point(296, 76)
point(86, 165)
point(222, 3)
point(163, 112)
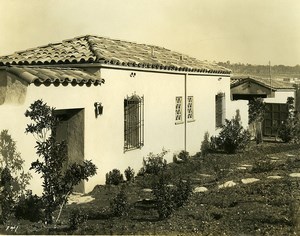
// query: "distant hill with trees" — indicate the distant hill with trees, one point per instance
point(277, 71)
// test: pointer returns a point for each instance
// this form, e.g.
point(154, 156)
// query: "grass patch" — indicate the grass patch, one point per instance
point(268, 206)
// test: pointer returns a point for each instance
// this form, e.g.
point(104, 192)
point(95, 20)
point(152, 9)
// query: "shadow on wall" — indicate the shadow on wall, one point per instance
point(12, 89)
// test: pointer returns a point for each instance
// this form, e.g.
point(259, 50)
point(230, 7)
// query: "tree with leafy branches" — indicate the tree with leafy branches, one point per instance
point(59, 180)
point(13, 178)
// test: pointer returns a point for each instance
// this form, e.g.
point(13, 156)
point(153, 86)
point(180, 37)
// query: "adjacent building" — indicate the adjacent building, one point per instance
point(274, 93)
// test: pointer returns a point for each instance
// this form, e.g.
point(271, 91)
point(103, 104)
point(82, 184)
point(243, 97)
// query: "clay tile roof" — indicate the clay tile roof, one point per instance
point(55, 76)
point(91, 49)
point(275, 84)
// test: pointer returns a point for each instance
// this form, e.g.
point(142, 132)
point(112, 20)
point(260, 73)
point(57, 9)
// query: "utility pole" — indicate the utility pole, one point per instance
point(270, 77)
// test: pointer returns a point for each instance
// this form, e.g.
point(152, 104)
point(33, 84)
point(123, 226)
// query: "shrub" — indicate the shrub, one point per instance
point(119, 205)
point(289, 130)
point(213, 144)
point(114, 177)
point(175, 160)
point(129, 174)
point(77, 217)
point(164, 196)
point(286, 130)
point(232, 136)
point(183, 155)
point(29, 207)
point(205, 145)
point(182, 192)
point(154, 163)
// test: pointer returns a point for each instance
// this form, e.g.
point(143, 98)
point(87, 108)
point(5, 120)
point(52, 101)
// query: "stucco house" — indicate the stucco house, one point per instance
point(274, 93)
point(150, 98)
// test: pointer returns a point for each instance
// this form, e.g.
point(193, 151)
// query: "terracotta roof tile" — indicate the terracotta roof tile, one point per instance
point(54, 75)
point(89, 49)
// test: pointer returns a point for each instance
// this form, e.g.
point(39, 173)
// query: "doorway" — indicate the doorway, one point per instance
point(71, 129)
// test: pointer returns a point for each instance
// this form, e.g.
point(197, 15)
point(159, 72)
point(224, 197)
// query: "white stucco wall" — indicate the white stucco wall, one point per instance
point(242, 106)
point(104, 136)
point(204, 89)
point(280, 96)
point(61, 97)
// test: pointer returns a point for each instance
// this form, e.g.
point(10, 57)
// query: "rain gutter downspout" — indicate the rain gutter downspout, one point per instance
point(185, 109)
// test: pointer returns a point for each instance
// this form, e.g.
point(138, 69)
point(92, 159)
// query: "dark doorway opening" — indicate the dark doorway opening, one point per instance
point(71, 129)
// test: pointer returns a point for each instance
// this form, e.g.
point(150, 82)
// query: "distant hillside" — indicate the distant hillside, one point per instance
point(277, 71)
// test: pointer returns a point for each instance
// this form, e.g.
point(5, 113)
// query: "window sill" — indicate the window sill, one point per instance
point(132, 148)
point(179, 122)
point(189, 121)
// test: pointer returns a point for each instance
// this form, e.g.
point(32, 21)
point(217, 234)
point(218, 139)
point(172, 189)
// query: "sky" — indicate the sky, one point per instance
point(245, 31)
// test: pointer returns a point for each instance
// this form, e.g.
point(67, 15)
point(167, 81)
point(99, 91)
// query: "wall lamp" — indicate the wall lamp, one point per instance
point(98, 109)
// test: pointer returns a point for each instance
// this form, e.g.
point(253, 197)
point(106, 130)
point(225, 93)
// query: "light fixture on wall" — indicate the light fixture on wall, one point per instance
point(220, 78)
point(98, 109)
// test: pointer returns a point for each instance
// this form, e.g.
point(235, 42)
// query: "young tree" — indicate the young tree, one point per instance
point(13, 179)
point(58, 180)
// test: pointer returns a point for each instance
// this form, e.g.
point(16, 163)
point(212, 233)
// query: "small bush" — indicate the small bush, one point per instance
point(286, 130)
point(169, 198)
point(129, 174)
point(233, 136)
point(119, 205)
point(29, 208)
point(114, 177)
point(184, 156)
point(205, 145)
point(154, 163)
point(289, 130)
point(182, 193)
point(175, 160)
point(213, 144)
point(164, 196)
point(77, 218)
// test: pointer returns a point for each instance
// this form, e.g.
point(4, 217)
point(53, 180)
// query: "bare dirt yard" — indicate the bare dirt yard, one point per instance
point(251, 193)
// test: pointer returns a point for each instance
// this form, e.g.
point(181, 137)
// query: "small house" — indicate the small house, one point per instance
point(118, 100)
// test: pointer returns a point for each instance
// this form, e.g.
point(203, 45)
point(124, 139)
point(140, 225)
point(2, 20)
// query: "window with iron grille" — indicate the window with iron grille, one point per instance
point(220, 110)
point(133, 122)
point(178, 109)
point(190, 108)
